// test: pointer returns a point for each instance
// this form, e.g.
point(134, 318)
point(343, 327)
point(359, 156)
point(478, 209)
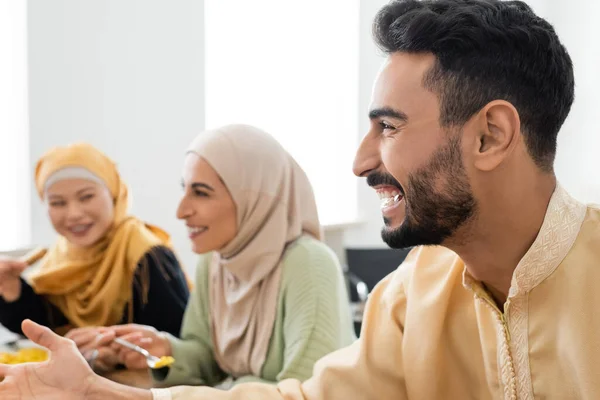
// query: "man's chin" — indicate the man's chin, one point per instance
point(391, 225)
point(393, 243)
point(407, 235)
point(393, 236)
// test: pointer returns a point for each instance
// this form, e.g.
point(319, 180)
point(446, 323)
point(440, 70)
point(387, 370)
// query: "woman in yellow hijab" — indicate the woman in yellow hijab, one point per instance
point(106, 267)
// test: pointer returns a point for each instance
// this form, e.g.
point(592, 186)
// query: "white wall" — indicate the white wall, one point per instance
point(577, 163)
point(14, 168)
point(366, 234)
point(112, 72)
point(126, 76)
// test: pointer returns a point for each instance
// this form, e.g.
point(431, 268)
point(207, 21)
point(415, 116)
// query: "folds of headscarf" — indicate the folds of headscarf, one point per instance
point(93, 286)
point(275, 206)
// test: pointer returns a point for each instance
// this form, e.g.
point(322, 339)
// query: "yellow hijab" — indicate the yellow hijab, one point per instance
point(92, 286)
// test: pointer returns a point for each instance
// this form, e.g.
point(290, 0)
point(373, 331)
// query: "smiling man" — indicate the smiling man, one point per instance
point(498, 298)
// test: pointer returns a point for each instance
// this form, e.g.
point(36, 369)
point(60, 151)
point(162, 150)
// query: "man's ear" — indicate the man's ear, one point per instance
point(497, 129)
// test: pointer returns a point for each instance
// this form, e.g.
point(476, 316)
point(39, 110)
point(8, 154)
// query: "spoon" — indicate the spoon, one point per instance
point(159, 366)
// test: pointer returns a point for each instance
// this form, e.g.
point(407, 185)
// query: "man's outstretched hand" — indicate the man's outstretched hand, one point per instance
point(66, 376)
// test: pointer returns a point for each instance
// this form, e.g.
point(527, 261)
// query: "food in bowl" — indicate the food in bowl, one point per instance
point(24, 356)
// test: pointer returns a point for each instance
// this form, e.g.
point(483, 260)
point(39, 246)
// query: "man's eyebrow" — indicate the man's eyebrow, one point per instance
point(387, 112)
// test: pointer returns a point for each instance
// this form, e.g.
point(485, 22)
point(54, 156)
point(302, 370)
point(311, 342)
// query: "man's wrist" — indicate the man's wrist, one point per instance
point(161, 394)
point(102, 389)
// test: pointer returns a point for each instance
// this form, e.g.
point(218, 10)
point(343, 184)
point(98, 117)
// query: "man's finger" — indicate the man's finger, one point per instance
point(42, 335)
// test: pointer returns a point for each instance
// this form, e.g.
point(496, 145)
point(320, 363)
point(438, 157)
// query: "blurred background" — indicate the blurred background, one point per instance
point(140, 78)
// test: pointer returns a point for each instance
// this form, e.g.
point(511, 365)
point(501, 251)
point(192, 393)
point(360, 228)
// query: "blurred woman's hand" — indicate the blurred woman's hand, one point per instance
point(95, 344)
point(146, 337)
point(10, 279)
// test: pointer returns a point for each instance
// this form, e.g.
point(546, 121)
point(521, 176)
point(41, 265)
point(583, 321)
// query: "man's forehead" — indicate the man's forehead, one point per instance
point(405, 69)
point(400, 80)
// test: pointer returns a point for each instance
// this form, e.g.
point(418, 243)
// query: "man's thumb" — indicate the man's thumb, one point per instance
point(42, 335)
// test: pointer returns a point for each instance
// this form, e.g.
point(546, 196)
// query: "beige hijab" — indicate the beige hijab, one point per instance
point(275, 206)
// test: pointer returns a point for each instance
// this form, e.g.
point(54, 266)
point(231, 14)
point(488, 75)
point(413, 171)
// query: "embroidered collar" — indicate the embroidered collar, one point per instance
point(557, 235)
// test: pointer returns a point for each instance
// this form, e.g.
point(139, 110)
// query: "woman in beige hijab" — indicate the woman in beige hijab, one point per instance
point(269, 298)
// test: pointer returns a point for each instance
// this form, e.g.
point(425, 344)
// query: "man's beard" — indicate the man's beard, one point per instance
point(438, 200)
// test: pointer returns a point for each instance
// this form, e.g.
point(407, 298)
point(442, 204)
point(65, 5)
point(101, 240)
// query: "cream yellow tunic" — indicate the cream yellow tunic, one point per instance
point(432, 332)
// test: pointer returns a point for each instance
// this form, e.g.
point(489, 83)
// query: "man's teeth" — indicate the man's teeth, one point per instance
point(389, 198)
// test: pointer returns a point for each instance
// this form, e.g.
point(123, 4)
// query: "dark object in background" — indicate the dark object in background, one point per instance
point(364, 269)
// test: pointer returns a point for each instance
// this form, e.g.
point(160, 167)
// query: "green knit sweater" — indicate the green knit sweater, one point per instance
point(313, 319)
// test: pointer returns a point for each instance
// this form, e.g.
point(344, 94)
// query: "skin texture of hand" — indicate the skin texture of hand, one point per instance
point(144, 336)
point(66, 376)
point(10, 282)
point(95, 343)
